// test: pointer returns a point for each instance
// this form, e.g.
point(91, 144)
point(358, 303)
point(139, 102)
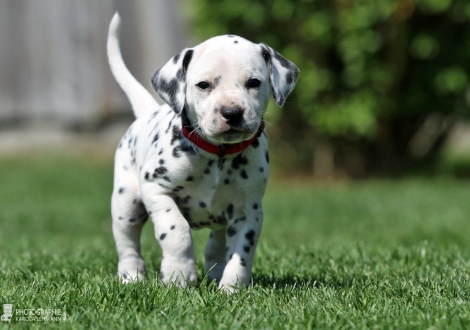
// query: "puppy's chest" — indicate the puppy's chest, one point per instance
point(212, 193)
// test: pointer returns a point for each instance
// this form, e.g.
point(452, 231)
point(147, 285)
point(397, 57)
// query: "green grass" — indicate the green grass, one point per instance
point(376, 254)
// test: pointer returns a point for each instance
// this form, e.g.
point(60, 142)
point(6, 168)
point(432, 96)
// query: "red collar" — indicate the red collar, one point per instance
point(223, 149)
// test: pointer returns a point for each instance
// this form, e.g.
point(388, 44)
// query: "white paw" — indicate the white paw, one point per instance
point(232, 286)
point(179, 273)
point(131, 270)
point(235, 276)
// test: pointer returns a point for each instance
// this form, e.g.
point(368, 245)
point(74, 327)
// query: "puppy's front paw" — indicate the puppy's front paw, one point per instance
point(181, 273)
point(130, 270)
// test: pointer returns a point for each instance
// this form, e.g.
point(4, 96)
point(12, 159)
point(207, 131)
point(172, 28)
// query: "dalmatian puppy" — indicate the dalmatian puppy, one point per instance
point(198, 161)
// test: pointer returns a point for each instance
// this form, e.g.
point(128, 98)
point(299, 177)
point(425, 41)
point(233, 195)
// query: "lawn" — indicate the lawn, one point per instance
point(374, 254)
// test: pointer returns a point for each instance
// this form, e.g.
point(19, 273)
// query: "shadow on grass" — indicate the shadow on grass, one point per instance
point(293, 280)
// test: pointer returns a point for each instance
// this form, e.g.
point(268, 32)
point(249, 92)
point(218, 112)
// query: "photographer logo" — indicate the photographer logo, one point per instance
point(33, 314)
point(7, 312)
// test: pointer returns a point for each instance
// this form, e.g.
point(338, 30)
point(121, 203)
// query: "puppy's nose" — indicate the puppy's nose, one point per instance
point(232, 115)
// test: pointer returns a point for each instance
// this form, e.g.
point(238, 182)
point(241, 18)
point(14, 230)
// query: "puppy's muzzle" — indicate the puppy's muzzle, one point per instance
point(233, 116)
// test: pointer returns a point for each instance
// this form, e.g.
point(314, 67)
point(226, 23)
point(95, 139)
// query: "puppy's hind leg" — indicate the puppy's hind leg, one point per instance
point(215, 254)
point(129, 216)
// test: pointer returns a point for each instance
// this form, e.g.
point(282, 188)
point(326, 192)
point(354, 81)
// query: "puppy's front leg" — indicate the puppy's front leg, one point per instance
point(242, 236)
point(174, 235)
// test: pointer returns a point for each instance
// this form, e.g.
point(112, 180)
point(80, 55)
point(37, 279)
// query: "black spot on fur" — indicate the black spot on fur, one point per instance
point(180, 74)
point(187, 148)
point(230, 211)
point(162, 236)
point(267, 156)
point(161, 161)
point(246, 248)
point(261, 169)
point(189, 178)
point(187, 59)
point(255, 206)
point(207, 170)
point(177, 152)
point(255, 143)
point(231, 231)
point(290, 76)
point(168, 210)
point(243, 174)
point(161, 170)
point(172, 227)
point(202, 204)
point(219, 219)
point(121, 190)
point(266, 55)
point(121, 218)
point(230, 258)
point(175, 135)
point(243, 262)
point(155, 138)
point(239, 161)
point(227, 181)
point(176, 58)
point(160, 152)
point(283, 61)
point(235, 42)
point(168, 128)
point(169, 87)
point(250, 236)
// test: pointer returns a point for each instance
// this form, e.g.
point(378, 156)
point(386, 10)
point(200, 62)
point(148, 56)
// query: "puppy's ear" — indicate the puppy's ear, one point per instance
point(283, 73)
point(170, 80)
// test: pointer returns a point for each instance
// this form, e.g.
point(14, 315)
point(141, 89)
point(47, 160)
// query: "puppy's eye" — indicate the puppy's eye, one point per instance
point(253, 83)
point(203, 85)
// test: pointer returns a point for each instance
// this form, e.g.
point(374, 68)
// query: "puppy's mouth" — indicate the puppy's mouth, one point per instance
point(236, 134)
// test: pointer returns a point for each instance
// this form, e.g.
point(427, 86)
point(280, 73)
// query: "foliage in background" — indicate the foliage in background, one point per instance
point(381, 83)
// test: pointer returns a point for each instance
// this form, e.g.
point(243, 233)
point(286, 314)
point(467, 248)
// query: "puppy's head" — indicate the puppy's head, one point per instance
point(224, 86)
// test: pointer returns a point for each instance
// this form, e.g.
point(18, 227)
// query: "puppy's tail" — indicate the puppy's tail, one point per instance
point(141, 100)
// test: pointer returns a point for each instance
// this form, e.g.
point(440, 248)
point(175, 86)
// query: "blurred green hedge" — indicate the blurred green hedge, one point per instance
point(381, 84)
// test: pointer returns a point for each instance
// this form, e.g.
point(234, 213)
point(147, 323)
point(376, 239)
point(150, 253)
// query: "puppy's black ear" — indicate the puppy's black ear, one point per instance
point(283, 74)
point(170, 80)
